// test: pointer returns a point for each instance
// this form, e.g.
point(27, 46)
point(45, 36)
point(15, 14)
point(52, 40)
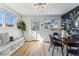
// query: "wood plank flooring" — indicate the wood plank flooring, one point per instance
point(37, 49)
point(31, 49)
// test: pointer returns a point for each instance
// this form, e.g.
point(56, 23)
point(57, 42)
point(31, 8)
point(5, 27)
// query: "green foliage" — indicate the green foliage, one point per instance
point(21, 25)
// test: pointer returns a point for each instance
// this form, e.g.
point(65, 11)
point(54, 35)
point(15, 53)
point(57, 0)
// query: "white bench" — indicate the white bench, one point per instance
point(11, 46)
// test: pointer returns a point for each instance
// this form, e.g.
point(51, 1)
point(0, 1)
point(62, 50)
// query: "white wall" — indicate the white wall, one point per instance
point(42, 34)
point(13, 31)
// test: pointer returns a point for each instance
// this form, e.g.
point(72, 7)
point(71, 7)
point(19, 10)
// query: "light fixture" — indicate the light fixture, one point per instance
point(40, 5)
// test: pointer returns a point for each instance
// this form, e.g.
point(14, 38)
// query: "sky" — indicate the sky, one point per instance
point(9, 19)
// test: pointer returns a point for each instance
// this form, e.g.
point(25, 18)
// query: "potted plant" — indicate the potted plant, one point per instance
point(22, 26)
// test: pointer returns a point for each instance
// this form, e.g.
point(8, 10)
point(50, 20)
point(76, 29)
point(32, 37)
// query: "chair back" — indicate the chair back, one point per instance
point(55, 36)
point(55, 33)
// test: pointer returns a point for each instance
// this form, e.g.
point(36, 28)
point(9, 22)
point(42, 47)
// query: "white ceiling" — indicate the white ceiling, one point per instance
point(52, 8)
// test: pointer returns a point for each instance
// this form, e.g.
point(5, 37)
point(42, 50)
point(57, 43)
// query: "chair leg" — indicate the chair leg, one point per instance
point(67, 54)
point(57, 48)
point(62, 51)
point(49, 47)
point(53, 51)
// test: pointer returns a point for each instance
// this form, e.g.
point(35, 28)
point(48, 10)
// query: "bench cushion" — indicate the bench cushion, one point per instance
point(4, 37)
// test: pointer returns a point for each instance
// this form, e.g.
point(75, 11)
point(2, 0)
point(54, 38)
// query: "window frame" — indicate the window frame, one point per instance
point(8, 13)
point(2, 17)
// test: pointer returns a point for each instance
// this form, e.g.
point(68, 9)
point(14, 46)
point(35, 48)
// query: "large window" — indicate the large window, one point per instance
point(36, 24)
point(1, 18)
point(49, 21)
point(54, 23)
point(9, 19)
point(6, 18)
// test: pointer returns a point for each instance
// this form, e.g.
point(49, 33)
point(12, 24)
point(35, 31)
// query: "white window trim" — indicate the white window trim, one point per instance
point(4, 18)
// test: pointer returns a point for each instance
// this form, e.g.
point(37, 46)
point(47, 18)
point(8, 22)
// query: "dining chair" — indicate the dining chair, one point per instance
point(56, 42)
point(73, 48)
point(51, 42)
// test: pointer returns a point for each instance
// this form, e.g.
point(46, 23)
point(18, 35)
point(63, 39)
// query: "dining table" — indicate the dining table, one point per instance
point(66, 40)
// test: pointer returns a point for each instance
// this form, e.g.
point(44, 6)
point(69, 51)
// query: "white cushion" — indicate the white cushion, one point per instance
point(4, 37)
point(3, 41)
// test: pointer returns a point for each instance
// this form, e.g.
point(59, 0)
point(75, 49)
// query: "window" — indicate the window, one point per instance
point(1, 18)
point(8, 19)
point(48, 21)
point(36, 24)
point(54, 23)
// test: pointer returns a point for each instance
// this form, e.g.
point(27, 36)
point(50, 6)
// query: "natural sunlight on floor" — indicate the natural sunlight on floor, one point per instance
point(37, 36)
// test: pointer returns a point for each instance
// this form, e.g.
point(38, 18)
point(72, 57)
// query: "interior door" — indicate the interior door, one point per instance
point(36, 32)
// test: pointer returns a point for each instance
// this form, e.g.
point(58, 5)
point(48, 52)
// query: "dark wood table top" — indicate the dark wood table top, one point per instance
point(69, 39)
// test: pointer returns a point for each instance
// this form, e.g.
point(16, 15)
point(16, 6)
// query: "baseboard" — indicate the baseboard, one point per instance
point(27, 41)
point(38, 41)
point(35, 40)
point(46, 41)
point(32, 41)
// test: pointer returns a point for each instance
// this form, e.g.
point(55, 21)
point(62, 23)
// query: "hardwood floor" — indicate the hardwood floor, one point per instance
point(37, 49)
point(31, 49)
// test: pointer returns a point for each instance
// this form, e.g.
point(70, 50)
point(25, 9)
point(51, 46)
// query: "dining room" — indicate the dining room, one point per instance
point(68, 40)
point(48, 29)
